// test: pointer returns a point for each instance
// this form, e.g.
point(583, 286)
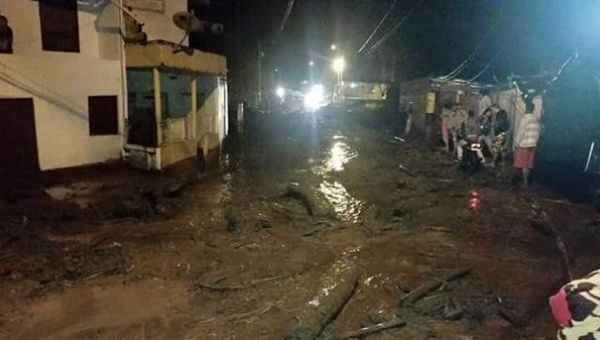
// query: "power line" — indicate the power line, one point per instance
point(480, 73)
point(469, 59)
point(390, 32)
point(385, 16)
point(286, 16)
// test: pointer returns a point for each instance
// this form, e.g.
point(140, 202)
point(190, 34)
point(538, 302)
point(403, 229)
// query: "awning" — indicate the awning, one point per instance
point(163, 54)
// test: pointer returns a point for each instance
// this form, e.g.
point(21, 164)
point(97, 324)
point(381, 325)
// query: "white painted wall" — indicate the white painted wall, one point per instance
point(60, 84)
point(160, 26)
point(24, 19)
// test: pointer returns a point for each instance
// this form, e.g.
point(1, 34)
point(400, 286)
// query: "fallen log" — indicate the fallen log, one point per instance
point(380, 327)
point(541, 222)
point(314, 202)
point(337, 287)
point(428, 287)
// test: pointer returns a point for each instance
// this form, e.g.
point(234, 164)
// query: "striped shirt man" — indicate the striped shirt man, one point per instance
point(529, 132)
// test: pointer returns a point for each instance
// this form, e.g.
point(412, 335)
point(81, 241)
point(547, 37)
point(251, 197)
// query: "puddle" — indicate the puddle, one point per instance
point(346, 207)
point(339, 155)
point(89, 308)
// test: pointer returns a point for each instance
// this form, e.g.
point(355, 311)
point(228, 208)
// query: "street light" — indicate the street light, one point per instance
point(333, 47)
point(311, 63)
point(280, 92)
point(339, 64)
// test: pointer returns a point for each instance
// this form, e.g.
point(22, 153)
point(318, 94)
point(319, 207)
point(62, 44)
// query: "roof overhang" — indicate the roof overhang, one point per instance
point(163, 54)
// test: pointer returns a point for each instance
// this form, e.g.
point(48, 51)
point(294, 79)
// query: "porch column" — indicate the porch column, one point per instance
point(193, 117)
point(157, 105)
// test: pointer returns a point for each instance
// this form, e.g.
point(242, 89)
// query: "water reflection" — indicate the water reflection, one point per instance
point(474, 200)
point(346, 207)
point(339, 155)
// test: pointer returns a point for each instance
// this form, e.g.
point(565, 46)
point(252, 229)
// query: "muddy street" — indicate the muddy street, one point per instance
point(315, 225)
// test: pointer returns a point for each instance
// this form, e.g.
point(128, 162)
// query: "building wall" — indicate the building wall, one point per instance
point(98, 31)
point(60, 84)
point(208, 113)
point(159, 25)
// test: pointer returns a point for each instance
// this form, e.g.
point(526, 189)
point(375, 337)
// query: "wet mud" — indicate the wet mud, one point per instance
point(233, 256)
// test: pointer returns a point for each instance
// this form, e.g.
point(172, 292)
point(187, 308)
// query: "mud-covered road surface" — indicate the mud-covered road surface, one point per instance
point(315, 225)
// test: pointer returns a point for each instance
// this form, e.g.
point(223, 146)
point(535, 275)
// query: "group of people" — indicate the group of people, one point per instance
point(460, 126)
point(490, 128)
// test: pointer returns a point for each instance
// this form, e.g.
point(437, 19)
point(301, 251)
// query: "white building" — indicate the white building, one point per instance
point(62, 89)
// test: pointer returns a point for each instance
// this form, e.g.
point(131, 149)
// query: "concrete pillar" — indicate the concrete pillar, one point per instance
point(157, 105)
point(194, 116)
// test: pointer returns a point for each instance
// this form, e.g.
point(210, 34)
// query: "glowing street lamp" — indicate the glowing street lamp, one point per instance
point(333, 47)
point(339, 64)
point(280, 92)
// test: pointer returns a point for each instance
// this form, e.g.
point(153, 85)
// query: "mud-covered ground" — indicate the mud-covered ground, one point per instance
point(113, 253)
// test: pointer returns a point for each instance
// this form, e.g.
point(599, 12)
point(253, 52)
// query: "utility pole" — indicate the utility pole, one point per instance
point(242, 76)
point(260, 56)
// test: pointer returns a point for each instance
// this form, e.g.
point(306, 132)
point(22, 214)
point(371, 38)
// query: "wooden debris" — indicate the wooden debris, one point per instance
point(338, 285)
point(439, 229)
point(241, 316)
point(380, 327)
point(315, 205)
point(213, 288)
point(430, 286)
point(541, 222)
point(548, 200)
point(116, 270)
point(406, 171)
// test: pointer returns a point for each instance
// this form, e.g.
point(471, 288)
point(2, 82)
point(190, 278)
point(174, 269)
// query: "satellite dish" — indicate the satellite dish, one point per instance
point(187, 22)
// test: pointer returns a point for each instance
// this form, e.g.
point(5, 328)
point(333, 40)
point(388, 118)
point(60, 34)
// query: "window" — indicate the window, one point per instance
point(103, 115)
point(176, 97)
point(141, 120)
point(60, 26)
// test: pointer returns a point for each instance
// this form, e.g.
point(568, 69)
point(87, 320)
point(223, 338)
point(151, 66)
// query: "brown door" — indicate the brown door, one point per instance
point(18, 142)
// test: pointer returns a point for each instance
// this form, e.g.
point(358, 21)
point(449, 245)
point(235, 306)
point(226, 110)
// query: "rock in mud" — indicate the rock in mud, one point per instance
point(401, 211)
point(234, 219)
point(337, 287)
point(263, 221)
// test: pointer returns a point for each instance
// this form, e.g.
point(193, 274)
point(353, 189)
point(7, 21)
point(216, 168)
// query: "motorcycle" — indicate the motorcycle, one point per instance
point(471, 162)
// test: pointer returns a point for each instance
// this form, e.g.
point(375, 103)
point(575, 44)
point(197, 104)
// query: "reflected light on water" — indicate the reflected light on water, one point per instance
point(346, 207)
point(474, 200)
point(340, 155)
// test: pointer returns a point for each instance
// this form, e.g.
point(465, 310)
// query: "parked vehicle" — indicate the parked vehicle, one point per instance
point(471, 162)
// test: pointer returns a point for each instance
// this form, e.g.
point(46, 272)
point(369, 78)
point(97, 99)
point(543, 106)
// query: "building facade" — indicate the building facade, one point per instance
point(72, 92)
point(61, 89)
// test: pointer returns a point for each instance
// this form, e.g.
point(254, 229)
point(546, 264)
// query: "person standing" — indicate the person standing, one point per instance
point(447, 114)
point(485, 101)
point(6, 36)
point(430, 118)
point(409, 119)
point(526, 141)
point(500, 139)
point(459, 118)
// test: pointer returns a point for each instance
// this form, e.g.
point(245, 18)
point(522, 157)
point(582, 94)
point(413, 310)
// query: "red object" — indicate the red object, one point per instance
point(560, 308)
point(524, 158)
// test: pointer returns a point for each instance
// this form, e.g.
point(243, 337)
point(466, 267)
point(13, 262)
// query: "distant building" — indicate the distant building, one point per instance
point(63, 88)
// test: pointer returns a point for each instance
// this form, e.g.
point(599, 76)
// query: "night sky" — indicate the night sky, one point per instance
point(516, 36)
